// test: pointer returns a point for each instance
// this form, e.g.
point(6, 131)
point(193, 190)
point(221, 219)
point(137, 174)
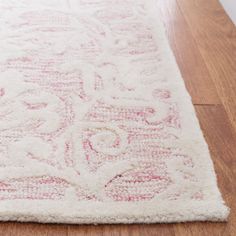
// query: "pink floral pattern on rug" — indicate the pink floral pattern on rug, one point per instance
point(87, 108)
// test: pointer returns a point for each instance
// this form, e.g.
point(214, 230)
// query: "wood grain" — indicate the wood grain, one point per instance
point(203, 40)
point(215, 36)
point(187, 54)
point(118, 230)
point(32, 229)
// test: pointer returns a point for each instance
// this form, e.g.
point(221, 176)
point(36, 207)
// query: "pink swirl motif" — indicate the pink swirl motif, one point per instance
point(57, 115)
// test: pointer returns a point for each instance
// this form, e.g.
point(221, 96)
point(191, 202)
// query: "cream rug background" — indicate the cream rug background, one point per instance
point(96, 124)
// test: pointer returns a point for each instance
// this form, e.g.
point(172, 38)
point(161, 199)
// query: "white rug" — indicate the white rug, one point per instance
point(96, 124)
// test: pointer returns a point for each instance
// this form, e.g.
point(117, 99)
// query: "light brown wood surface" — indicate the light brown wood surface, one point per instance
point(215, 36)
point(203, 40)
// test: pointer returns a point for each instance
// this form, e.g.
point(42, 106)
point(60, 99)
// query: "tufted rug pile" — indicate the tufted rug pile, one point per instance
point(96, 124)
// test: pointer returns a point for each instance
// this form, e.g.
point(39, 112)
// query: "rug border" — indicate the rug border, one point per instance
point(113, 213)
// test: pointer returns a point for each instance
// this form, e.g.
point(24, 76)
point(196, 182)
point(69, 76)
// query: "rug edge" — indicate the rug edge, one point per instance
point(87, 213)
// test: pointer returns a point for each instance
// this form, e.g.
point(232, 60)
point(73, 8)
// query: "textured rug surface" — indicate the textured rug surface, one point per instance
point(96, 124)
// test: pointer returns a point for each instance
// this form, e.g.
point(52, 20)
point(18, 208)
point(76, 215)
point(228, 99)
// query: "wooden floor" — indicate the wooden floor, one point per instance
point(204, 42)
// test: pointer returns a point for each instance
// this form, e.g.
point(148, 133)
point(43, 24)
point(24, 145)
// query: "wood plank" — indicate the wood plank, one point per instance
point(187, 54)
point(215, 35)
point(126, 230)
point(32, 229)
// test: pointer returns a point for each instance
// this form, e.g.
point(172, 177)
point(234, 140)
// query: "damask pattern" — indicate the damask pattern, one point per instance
point(93, 108)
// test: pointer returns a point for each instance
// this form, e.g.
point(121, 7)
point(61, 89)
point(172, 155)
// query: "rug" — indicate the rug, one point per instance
point(96, 124)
